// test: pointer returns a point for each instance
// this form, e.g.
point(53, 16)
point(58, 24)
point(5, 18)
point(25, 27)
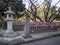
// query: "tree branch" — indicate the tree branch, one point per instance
point(29, 11)
point(35, 1)
point(39, 19)
point(54, 18)
point(57, 3)
point(6, 5)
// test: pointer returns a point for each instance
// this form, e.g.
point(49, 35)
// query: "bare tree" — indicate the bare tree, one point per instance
point(33, 9)
point(50, 12)
point(48, 8)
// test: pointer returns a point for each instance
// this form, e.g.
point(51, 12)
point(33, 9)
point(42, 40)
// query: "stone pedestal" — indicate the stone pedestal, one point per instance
point(9, 32)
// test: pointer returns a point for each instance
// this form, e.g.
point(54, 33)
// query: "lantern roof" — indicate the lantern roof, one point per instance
point(9, 11)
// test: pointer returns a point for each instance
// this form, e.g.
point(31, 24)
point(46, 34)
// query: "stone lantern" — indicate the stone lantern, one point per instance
point(9, 32)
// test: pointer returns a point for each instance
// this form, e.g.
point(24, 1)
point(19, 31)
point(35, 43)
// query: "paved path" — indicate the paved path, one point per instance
point(49, 41)
point(35, 37)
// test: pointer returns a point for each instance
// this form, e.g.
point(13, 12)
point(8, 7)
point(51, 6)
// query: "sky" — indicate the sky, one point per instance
point(55, 1)
point(40, 1)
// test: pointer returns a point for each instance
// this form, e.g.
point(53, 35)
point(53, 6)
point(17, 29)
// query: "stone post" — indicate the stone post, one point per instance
point(27, 28)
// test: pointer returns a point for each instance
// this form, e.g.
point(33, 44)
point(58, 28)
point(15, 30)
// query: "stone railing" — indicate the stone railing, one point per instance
point(36, 29)
point(42, 29)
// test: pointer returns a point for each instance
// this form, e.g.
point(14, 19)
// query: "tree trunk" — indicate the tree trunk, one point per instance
point(1, 21)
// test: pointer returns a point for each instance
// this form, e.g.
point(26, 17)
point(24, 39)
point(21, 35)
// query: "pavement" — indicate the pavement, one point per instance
point(35, 37)
point(48, 41)
point(41, 36)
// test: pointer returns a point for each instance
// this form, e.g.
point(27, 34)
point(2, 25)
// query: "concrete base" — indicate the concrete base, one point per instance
point(9, 33)
point(11, 40)
point(26, 35)
point(19, 39)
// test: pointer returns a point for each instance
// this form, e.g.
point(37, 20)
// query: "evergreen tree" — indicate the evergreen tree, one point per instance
point(17, 6)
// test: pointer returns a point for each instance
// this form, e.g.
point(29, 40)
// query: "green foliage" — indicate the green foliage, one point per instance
point(3, 4)
point(18, 7)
